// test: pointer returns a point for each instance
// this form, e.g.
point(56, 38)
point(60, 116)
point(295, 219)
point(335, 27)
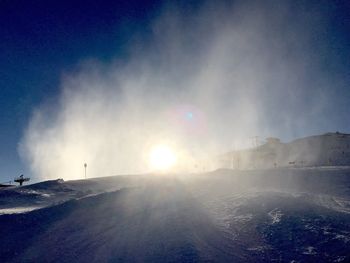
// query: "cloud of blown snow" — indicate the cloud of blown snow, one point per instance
point(205, 83)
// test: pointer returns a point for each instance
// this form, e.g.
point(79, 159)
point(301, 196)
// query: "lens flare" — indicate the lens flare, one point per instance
point(162, 158)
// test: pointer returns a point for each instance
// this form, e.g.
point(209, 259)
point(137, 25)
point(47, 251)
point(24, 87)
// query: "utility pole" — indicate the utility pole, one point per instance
point(255, 141)
point(85, 165)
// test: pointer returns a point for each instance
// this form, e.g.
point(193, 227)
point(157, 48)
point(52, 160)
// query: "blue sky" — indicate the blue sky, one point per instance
point(42, 40)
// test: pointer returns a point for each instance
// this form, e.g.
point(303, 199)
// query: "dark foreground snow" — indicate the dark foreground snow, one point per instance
point(282, 215)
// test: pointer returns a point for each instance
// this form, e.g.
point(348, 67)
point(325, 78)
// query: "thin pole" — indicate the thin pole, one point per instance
point(85, 165)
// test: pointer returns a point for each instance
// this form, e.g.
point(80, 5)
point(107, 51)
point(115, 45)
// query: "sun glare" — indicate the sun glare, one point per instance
point(162, 158)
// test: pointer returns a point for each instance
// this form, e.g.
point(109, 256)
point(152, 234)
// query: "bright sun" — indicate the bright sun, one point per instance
point(162, 158)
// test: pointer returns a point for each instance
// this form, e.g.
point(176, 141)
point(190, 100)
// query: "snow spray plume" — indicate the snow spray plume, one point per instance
point(205, 83)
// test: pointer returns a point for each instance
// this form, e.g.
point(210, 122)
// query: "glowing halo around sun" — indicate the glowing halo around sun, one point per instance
point(162, 158)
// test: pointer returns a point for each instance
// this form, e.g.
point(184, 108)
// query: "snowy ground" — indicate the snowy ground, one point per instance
point(283, 215)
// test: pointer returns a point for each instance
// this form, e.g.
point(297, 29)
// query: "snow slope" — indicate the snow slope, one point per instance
point(222, 216)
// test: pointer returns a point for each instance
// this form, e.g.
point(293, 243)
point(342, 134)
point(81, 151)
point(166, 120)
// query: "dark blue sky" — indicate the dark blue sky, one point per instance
point(40, 40)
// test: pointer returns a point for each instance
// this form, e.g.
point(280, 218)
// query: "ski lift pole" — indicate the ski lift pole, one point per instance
point(21, 180)
point(85, 165)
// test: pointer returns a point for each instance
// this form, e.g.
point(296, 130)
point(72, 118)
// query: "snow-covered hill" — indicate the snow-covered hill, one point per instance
point(330, 149)
point(222, 216)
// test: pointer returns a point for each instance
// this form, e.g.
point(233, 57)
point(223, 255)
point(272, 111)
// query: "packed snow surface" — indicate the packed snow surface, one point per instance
point(283, 215)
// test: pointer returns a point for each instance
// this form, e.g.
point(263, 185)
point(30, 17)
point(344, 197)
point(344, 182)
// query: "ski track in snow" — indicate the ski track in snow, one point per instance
point(276, 215)
point(17, 210)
